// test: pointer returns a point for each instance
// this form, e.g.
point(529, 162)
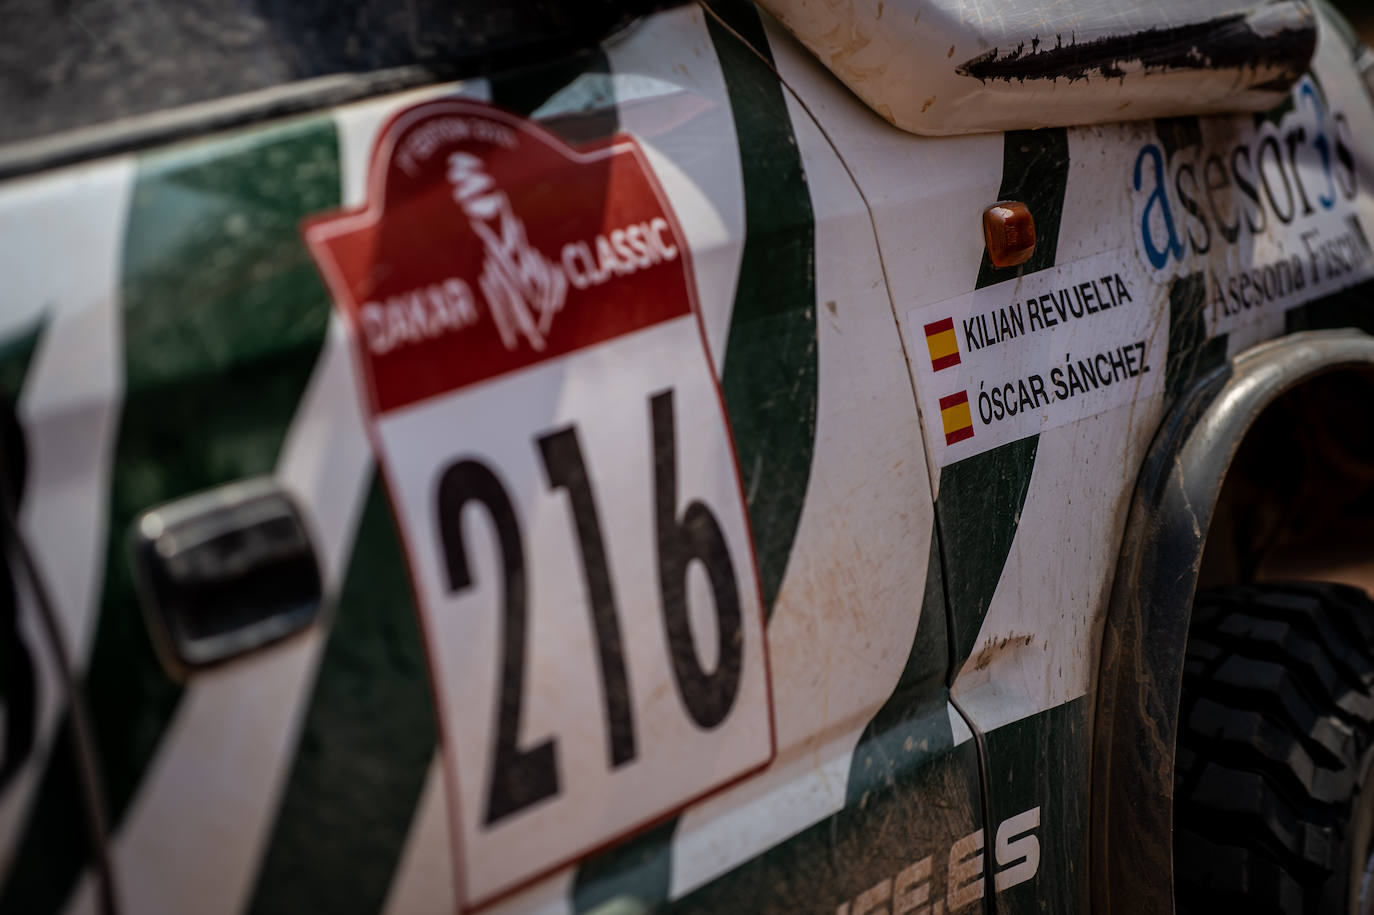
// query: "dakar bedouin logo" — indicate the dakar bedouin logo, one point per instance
point(488, 244)
point(522, 288)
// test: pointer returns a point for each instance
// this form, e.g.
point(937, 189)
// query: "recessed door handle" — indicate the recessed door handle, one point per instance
point(224, 572)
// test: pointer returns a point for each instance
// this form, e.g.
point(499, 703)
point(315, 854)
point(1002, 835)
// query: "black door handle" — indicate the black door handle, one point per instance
point(224, 572)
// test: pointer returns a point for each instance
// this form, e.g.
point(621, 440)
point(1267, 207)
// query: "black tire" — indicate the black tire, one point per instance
point(1272, 805)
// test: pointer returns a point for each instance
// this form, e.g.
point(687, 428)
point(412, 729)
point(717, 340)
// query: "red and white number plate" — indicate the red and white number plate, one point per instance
point(555, 448)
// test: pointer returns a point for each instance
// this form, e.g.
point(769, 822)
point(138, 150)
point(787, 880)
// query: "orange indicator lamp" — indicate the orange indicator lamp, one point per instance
point(1009, 231)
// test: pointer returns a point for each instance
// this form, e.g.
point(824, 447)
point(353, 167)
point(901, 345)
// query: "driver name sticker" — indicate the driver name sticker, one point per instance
point(556, 451)
point(1035, 352)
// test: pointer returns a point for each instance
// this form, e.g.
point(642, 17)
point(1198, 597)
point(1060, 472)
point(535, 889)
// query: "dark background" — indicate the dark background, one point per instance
point(1361, 15)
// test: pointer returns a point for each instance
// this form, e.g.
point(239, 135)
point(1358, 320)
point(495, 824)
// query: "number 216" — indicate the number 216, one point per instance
point(519, 777)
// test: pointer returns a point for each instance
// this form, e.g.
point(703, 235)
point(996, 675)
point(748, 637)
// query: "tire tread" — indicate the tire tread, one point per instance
point(1277, 712)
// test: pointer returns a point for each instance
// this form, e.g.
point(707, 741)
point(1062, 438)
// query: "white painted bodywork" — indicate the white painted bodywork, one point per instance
point(897, 238)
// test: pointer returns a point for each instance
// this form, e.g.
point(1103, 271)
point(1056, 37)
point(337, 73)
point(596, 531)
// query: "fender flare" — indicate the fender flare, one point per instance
point(1140, 672)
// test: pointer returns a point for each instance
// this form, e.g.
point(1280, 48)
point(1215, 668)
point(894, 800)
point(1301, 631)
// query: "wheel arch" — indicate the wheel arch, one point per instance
point(1146, 629)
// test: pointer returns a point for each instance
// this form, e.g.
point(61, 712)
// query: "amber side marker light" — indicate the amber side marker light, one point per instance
point(1009, 231)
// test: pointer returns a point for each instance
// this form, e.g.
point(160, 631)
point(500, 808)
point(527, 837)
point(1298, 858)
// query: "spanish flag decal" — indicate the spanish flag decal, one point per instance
point(955, 415)
point(943, 345)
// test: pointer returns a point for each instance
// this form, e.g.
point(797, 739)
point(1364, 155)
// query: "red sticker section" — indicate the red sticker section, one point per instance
point(555, 448)
point(492, 246)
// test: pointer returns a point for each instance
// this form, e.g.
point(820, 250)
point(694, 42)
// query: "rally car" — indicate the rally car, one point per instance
point(900, 456)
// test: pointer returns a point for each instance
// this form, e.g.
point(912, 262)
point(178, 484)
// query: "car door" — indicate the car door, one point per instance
point(200, 347)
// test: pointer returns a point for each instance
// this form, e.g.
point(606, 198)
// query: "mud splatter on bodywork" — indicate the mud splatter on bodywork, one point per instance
point(1240, 42)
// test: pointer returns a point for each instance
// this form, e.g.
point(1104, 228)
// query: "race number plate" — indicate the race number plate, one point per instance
point(557, 455)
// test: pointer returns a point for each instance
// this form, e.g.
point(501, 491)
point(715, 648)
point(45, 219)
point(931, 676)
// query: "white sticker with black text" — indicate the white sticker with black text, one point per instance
point(1032, 353)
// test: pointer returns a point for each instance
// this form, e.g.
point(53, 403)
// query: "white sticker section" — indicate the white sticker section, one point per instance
point(61, 239)
point(231, 740)
point(1040, 351)
point(848, 608)
point(602, 476)
point(702, 181)
point(202, 815)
